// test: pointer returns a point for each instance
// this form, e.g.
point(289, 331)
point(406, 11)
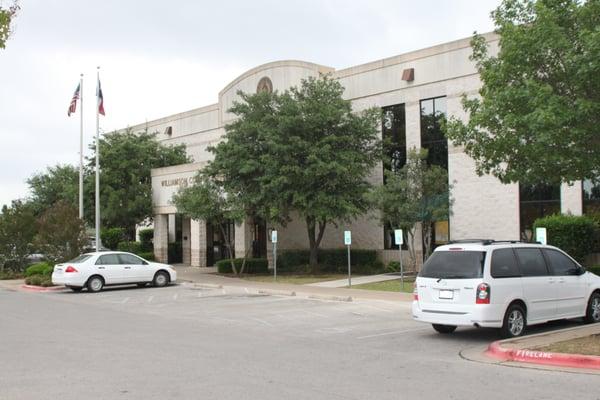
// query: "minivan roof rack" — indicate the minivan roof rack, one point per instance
point(487, 242)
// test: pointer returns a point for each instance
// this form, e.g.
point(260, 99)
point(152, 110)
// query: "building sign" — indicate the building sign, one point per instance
point(181, 182)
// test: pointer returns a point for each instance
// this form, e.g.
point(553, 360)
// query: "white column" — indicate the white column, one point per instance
point(198, 243)
point(243, 238)
point(571, 198)
point(186, 240)
point(172, 233)
point(161, 238)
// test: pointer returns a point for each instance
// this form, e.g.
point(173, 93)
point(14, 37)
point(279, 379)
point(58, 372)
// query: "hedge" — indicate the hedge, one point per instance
point(147, 255)
point(573, 234)
point(594, 270)
point(253, 266)
point(146, 238)
point(43, 268)
point(130, 247)
point(39, 280)
point(331, 261)
point(111, 237)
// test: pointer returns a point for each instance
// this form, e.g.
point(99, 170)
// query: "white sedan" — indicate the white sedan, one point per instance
point(96, 270)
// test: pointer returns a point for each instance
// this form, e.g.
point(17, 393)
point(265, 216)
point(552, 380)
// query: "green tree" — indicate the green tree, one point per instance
point(61, 235)
point(538, 114)
point(6, 17)
point(208, 201)
point(18, 227)
point(417, 193)
point(58, 183)
point(126, 160)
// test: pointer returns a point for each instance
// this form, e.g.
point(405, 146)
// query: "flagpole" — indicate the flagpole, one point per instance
point(81, 149)
point(97, 161)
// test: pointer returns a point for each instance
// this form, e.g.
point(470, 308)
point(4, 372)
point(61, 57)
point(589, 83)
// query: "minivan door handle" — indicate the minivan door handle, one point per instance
point(127, 267)
point(550, 280)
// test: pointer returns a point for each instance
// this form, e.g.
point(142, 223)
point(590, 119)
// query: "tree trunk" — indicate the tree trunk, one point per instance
point(231, 254)
point(411, 249)
point(426, 233)
point(249, 249)
point(314, 240)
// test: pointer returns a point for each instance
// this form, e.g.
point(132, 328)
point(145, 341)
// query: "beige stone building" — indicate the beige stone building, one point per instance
point(414, 90)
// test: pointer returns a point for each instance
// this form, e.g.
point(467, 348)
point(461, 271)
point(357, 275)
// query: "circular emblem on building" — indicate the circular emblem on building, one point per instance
point(264, 85)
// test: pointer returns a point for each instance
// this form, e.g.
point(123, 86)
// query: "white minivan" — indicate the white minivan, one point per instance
point(507, 285)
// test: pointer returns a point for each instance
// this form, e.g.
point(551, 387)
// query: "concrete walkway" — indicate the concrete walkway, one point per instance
point(359, 280)
point(201, 276)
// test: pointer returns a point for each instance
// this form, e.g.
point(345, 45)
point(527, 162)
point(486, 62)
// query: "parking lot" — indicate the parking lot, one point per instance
point(189, 342)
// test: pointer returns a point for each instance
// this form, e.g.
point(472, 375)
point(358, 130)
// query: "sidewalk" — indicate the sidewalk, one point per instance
point(359, 280)
point(199, 276)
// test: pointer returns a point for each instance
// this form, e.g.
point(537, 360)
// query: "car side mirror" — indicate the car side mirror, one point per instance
point(580, 270)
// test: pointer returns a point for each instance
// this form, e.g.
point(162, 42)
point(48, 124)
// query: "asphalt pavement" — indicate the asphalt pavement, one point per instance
point(189, 342)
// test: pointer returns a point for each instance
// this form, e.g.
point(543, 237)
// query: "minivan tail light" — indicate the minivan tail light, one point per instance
point(483, 294)
point(70, 269)
point(415, 292)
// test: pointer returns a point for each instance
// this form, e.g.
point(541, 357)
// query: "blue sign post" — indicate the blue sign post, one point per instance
point(399, 239)
point(348, 242)
point(274, 241)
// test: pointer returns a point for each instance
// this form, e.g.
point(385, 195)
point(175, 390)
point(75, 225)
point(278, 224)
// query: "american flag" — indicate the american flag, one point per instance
point(73, 105)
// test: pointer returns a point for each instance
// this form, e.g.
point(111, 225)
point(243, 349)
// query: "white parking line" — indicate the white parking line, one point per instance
point(392, 333)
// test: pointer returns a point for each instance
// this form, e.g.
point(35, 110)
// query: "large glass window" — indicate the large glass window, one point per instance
point(393, 132)
point(537, 201)
point(591, 196)
point(433, 112)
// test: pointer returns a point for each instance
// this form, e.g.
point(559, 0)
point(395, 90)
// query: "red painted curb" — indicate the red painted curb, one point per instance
point(495, 350)
point(41, 288)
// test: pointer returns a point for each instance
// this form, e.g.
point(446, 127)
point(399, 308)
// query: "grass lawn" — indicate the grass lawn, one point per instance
point(589, 345)
point(294, 279)
point(388, 286)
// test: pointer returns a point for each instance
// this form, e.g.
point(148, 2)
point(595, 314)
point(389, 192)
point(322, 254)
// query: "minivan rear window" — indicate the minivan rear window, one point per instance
point(454, 265)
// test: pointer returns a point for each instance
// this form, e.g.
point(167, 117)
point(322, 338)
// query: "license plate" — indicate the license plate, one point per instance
point(446, 294)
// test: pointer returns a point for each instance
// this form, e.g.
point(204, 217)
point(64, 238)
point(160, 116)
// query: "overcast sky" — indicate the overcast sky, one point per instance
point(163, 57)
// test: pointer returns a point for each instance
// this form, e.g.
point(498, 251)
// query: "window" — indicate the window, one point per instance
point(108, 259)
point(561, 264)
point(591, 196)
point(433, 113)
point(454, 265)
point(536, 201)
point(79, 259)
point(532, 262)
point(504, 264)
point(128, 259)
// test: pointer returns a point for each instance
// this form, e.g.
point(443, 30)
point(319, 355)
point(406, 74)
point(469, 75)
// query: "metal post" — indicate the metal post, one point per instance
point(97, 163)
point(349, 271)
point(401, 268)
point(81, 148)
point(275, 261)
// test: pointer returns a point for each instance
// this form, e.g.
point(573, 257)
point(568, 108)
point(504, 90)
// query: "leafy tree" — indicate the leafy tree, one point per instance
point(58, 183)
point(125, 181)
point(208, 201)
point(6, 17)
point(61, 234)
point(538, 115)
point(416, 193)
point(18, 227)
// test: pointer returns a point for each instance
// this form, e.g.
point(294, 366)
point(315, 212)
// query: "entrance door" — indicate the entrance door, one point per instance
point(259, 241)
point(216, 244)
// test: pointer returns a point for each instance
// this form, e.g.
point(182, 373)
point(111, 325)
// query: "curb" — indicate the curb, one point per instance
point(495, 350)
point(41, 288)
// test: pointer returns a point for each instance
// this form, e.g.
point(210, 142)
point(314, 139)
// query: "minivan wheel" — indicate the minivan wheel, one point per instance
point(160, 279)
point(592, 314)
point(514, 322)
point(445, 329)
point(95, 284)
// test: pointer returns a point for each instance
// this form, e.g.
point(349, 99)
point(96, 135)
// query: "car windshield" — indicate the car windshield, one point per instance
point(79, 259)
point(454, 265)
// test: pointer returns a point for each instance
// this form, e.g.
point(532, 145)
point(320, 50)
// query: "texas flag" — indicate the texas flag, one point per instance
point(100, 99)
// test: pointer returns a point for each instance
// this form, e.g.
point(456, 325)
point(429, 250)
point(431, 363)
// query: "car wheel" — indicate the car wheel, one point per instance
point(514, 321)
point(76, 289)
point(161, 279)
point(95, 284)
point(592, 314)
point(445, 329)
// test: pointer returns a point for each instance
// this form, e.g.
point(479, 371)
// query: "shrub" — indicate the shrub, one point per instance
point(595, 270)
point(147, 255)
point(43, 268)
point(596, 245)
point(39, 280)
point(8, 274)
point(331, 261)
point(573, 234)
point(253, 266)
point(146, 238)
point(130, 247)
point(111, 237)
